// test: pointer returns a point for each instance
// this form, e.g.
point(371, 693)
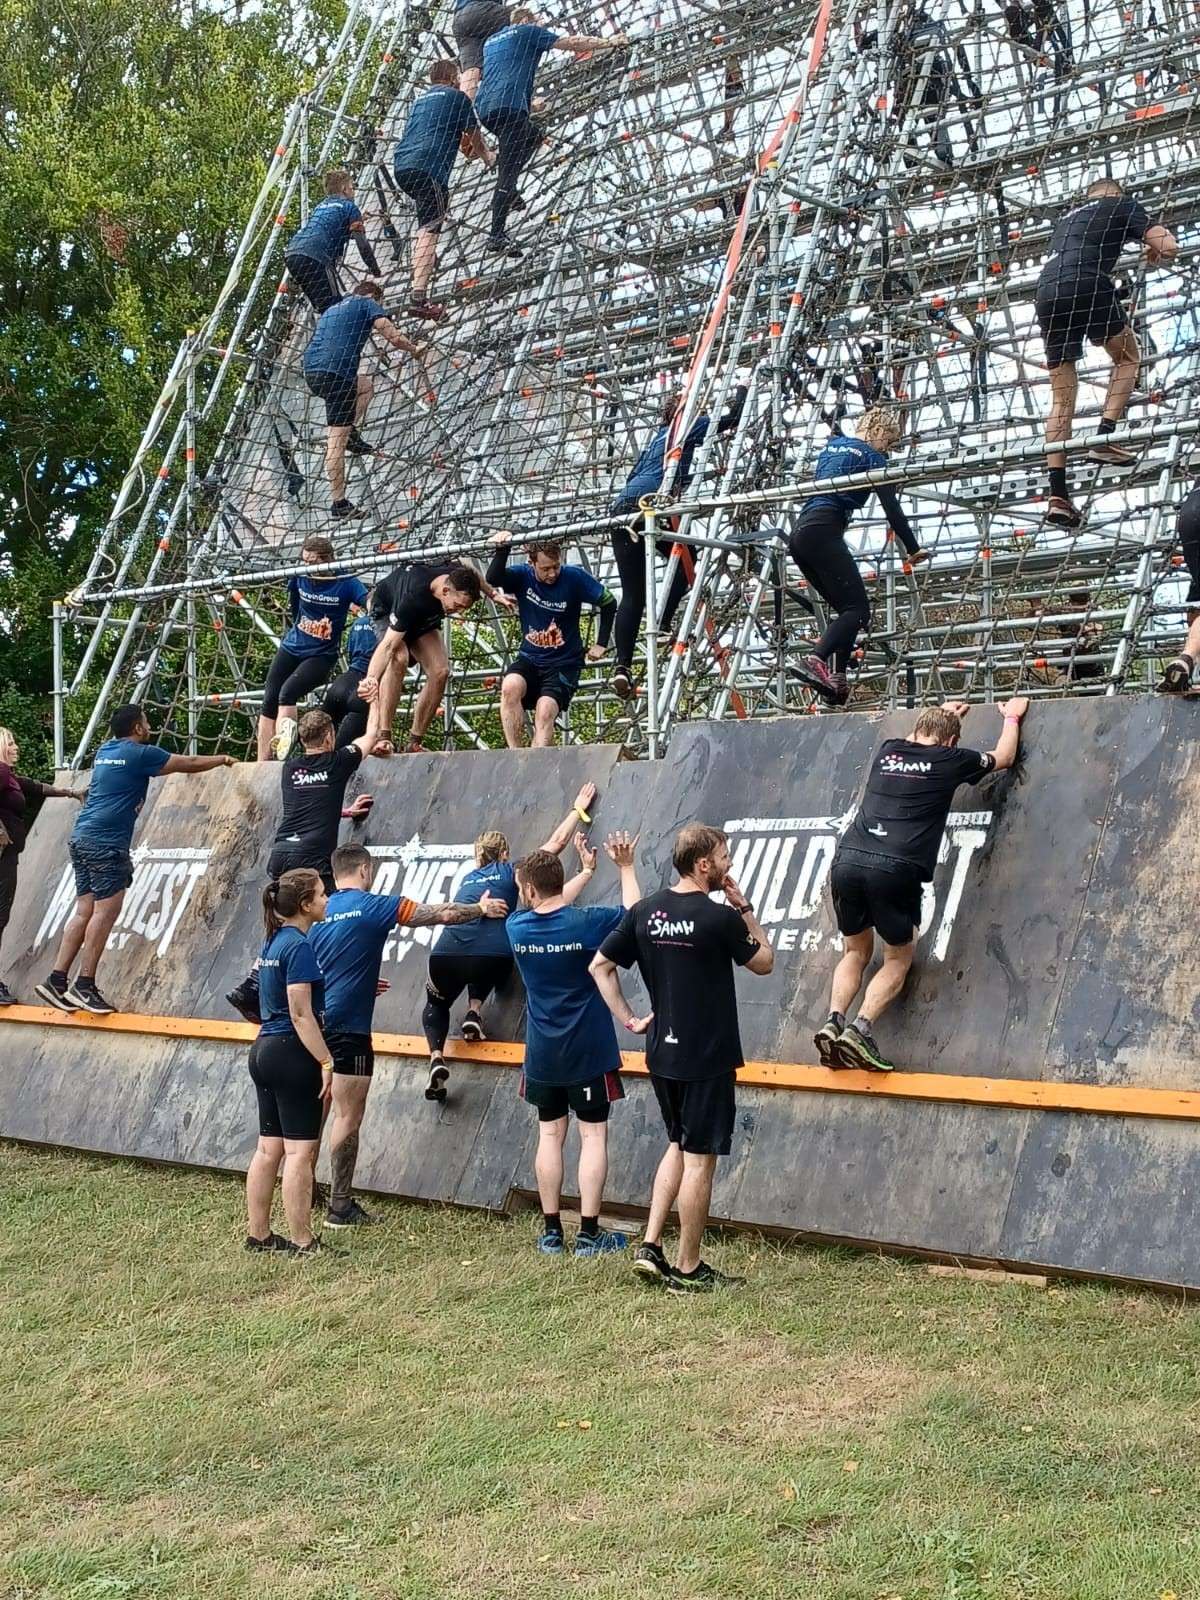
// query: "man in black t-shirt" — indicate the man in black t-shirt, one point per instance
point(885, 858)
point(686, 948)
point(1077, 300)
point(421, 596)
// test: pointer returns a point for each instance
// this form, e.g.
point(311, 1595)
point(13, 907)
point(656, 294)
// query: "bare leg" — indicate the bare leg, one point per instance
point(469, 80)
point(260, 1185)
point(424, 259)
point(390, 686)
point(512, 712)
point(266, 732)
point(548, 1163)
point(543, 722)
point(1064, 389)
point(335, 461)
point(1192, 644)
point(297, 1188)
point(664, 1194)
point(887, 982)
point(349, 1103)
point(98, 929)
point(1123, 351)
point(431, 653)
point(365, 390)
point(848, 974)
point(593, 1166)
point(695, 1196)
point(71, 942)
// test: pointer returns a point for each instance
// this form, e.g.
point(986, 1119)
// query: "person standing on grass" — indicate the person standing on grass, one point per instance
point(686, 948)
point(477, 956)
point(885, 858)
point(290, 1064)
point(100, 853)
point(348, 943)
point(571, 1058)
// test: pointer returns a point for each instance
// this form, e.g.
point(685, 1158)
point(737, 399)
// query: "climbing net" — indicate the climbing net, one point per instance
point(834, 204)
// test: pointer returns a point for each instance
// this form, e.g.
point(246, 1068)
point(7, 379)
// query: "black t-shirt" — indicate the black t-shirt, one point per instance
point(686, 947)
point(314, 790)
point(903, 812)
point(414, 608)
point(1087, 241)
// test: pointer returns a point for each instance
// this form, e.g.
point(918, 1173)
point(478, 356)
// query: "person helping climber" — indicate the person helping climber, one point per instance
point(505, 99)
point(1077, 300)
point(312, 254)
point(341, 704)
point(544, 674)
point(627, 546)
point(1177, 676)
point(885, 858)
point(331, 373)
point(818, 546)
point(440, 123)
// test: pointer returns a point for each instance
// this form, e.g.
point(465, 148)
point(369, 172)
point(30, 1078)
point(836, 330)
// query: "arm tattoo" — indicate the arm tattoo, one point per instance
point(445, 915)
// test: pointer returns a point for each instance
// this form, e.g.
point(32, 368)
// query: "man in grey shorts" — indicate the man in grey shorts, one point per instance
point(475, 21)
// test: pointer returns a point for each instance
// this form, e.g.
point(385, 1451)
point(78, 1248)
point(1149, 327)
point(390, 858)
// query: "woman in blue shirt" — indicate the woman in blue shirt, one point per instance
point(290, 1066)
point(308, 651)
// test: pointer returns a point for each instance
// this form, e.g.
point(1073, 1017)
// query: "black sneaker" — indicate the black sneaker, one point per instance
point(54, 993)
point(356, 445)
point(841, 688)
point(855, 1049)
point(435, 1084)
point(84, 996)
point(1176, 679)
point(273, 1242)
point(650, 1264)
point(472, 1028)
point(7, 997)
point(702, 1281)
point(341, 509)
point(516, 203)
point(1060, 513)
point(315, 1248)
point(622, 683)
point(826, 1040)
point(353, 1217)
point(245, 1001)
point(503, 246)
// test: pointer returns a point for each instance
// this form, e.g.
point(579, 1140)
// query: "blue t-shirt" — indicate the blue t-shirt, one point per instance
point(287, 957)
point(360, 643)
point(651, 465)
point(840, 457)
point(569, 1035)
point(340, 334)
point(330, 224)
point(435, 124)
point(541, 604)
point(319, 608)
point(121, 775)
point(487, 936)
point(349, 947)
point(510, 63)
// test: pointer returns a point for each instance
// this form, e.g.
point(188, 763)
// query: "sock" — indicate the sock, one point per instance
point(838, 1018)
point(589, 1227)
point(550, 1222)
point(58, 977)
point(1058, 482)
point(863, 1025)
point(1107, 425)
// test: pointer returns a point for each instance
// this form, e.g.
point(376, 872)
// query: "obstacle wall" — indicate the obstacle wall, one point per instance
point(1050, 1114)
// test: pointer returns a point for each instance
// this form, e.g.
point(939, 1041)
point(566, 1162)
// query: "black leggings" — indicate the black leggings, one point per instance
point(630, 554)
point(449, 975)
point(9, 862)
point(1189, 538)
point(291, 678)
point(349, 713)
point(287, 1081)
point(818, 547)
point(517, 137)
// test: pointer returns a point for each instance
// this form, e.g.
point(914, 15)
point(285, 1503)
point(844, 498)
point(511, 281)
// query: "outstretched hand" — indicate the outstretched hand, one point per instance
point(360, 806)
point(959, 707)
point(621, 847)
point(583, 800)
point(505, 536)
point(506, 601)
point(587, 856)
point(1016, 707)
point(492, 908)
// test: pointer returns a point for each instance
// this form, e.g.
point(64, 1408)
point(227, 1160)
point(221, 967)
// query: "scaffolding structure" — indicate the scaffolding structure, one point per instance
point(832, 203)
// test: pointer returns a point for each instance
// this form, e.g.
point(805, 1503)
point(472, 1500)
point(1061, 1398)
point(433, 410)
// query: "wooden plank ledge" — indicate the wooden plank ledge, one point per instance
point(1019, 1094)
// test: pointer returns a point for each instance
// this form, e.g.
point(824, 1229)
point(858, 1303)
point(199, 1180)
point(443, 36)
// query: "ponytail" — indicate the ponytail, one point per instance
point(287, 895)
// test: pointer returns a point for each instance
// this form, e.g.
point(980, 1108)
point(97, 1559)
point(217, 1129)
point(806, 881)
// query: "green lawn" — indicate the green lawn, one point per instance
point(441, 1412)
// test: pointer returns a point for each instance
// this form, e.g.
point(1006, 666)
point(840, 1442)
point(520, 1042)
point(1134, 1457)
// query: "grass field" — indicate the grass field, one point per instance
point(441, 1413)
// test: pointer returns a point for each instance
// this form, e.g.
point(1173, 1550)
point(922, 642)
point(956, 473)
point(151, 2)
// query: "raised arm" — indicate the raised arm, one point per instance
point(194, 764)
point(451, 912)
point(497, 569)
point(732, 414)
point(1161, 245)
point(582, 44)
point(1009, 742)
point(763, 960)
point(621, 850)
point(579, 812)
point(575, 886)
point(386, 329)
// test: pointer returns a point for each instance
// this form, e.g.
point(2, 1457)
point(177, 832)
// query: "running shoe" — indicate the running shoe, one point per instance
point(245, 1000)
point(315, 1247)
point(54, 993)
point(826, 1040)
point(341, 509)
point(702, 1281)
point(472, 1028)
point(1112, 455)
point(650, 1264)
point(841, 688)
point(502, 245)
point(435, 1084)
point(604, 1242)
point(429, 309)
point(516, 203)
point(1061, 513)
point(1176, 679)
point(84, 996)
point(7, 997)
point(550, 1244)
point(285, 738)
point(356, 445)
point(813, 671)
point(622, 683)
point(353, 1217)
point(855, 1049)
point(273, 1242)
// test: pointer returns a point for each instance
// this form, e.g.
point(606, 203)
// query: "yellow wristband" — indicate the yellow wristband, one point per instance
point(581, 813)
point(327, 1066)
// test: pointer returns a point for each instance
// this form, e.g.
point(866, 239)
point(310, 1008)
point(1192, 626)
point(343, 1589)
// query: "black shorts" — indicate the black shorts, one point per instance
point(316, 280)
point(1070, 310)
point(558, 682)
point(432, 199)
point(339, 394)
point(288, 1083)
point(353, 1054)
point(292, 678)
point(286, 857)
point(101, 870)
point(473, 26)
point(876, 897)
point(450, 974)
point(699, 1115)
point(589, 1101)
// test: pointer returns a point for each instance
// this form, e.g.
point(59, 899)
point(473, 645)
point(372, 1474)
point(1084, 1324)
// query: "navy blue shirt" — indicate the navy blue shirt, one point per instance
point(349, 948)
point(569, 1035)
point(840, 457)
point(360, 643)
point(330, 224)
point(510, 62)
point(542, 605)
point(319, 608)
point(487, 936)
point(287, 957)
point(340, 334)
point(651, 465)
point(121, 775)
point(435, 124)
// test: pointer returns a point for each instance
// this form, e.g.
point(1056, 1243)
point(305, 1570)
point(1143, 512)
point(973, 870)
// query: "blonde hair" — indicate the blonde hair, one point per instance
point(7, 739)
point(490, 847)
point(936, 722)
point(883, 422)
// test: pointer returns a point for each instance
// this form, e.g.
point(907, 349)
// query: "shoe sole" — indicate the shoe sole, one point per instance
point(1110, 461)
point(79, 1003)
point(849, 1058)
point(1057, 520)
point(623, 688)
point(53, 998)
point(651, 1272)
point(826, 1050)
point(1171, 682)
point(473, 1033)
point(826, 693)
point(350, 1222)
point(435, 1089)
